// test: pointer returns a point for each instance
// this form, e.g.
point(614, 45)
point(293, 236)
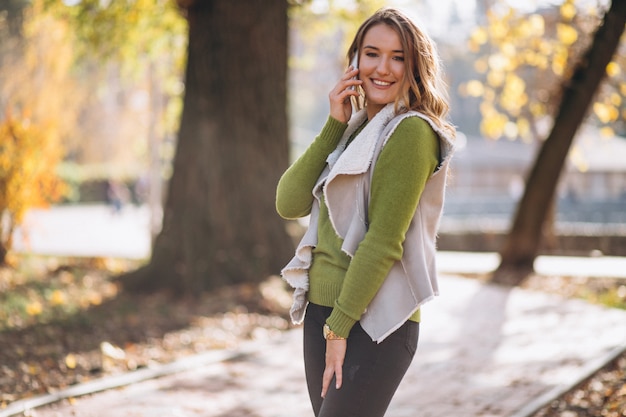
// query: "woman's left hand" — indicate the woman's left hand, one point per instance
point(335, 354)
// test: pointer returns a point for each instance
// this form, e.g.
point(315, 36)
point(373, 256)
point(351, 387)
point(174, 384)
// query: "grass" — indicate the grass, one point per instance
point(45, 289)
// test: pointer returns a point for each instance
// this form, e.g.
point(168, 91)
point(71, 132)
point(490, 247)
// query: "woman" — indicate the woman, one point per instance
point(373, 184)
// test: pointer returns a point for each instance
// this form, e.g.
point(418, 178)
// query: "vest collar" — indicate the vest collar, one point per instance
point(356, 158)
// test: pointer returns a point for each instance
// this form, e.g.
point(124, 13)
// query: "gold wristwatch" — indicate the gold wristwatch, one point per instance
point(330, 335)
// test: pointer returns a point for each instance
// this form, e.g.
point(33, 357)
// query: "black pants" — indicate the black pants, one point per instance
point(371, 371)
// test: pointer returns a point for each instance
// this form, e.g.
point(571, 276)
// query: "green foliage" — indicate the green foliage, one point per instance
point(525, 59)
point(125, 31)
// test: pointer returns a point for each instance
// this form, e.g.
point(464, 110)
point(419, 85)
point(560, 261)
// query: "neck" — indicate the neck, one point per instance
point(372, 110)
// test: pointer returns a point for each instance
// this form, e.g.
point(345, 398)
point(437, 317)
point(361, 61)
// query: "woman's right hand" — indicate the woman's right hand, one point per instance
point(340, 106)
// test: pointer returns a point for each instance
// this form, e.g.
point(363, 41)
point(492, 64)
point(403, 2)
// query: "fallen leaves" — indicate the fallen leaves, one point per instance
point(70, 361)
point(82, 327)
point(603, 395)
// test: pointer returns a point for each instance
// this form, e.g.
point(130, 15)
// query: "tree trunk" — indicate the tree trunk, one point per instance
point(220, 225)
point(522, 243)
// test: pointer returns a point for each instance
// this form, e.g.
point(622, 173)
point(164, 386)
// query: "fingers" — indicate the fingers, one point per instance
point(345, 87)
point(349, 80)
point(338, 377)
point(328, 377)
point(335, 354)
point(340, 106)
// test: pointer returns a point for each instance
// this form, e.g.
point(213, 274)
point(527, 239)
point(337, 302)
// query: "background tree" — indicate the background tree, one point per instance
point(522, 243)
point(219, 224)
point(528, 64)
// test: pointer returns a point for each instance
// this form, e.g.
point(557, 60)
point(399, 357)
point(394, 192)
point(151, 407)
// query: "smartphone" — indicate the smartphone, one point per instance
point(355, 64)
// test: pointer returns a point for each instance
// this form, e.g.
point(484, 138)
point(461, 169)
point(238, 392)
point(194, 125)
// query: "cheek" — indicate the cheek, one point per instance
point(366, 67)
point(398, 70)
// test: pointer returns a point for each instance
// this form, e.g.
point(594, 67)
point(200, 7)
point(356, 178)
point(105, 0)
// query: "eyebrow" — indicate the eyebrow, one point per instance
point(398, 51)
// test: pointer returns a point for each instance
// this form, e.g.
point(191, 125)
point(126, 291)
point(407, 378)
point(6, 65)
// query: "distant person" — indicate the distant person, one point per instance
point(117, 195)
point(373, 184)
point(142, 190)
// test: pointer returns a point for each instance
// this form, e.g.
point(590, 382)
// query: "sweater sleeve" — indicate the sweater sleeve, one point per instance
point(294, 196)
point(407, 161)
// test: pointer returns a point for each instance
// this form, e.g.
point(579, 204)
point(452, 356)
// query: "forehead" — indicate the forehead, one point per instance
point(382, 36)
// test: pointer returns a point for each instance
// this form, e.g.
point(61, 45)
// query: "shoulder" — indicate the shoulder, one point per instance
point(414, 125)
point(413, 131)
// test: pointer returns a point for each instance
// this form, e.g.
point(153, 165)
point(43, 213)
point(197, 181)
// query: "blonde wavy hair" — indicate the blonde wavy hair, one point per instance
point(426, 90)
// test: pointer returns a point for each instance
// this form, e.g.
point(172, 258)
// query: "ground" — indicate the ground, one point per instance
point(66, 321)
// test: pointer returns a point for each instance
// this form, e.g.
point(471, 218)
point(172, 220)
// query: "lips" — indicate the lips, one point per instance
point(381, 83)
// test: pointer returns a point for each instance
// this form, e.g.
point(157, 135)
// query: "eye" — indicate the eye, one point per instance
point(371, 54)
point(399, 58)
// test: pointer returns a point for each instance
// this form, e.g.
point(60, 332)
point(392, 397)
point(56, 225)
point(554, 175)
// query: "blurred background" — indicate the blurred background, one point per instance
point(102, 107)
point(141, 142)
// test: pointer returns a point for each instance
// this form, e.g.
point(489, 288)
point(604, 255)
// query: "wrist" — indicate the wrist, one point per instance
point(330, 335)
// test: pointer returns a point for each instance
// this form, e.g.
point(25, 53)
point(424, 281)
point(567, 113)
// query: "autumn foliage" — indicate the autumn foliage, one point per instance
point(29, 154)
point(524, 61)
point(40, 103)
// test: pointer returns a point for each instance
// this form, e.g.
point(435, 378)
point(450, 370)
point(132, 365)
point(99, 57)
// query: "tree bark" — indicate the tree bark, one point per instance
point(523, 241)
point(220, 226)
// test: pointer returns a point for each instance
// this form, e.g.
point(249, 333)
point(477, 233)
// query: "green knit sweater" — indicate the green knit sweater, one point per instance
point(406, 162)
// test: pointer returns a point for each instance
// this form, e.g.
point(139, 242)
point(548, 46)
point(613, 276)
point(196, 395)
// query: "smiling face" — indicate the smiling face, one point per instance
point(381, 67)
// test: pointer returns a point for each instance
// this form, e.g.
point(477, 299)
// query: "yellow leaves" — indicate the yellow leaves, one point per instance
point(498, 27)
point(95, 298)
point(57, 298)
point(541, 49)
point(493, 123)
point(537, 109)
point(566, 34)
point(607, 132)
point(535, 25)
point(473, 88)
point(70, 361)
point(605, 112)
point(34, 308)
point(568, 10)
point(613, 69)
point(578, 159)
point(523, 128)
point(28, 157)
point(615, 99)
point(40, 110)
point(481, 65)
point(477, 38)
point(495, 78)
point(559, 61)
point(498, 62)
point(513, 96)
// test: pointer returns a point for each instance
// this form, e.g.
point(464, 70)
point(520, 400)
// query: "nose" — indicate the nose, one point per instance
point(383, 67)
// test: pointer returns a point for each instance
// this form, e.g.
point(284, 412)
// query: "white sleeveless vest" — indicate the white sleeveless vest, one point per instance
point(412, 281)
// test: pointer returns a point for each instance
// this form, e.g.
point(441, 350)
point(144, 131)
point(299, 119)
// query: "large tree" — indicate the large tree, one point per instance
point(219, 223)
point(523, 241)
